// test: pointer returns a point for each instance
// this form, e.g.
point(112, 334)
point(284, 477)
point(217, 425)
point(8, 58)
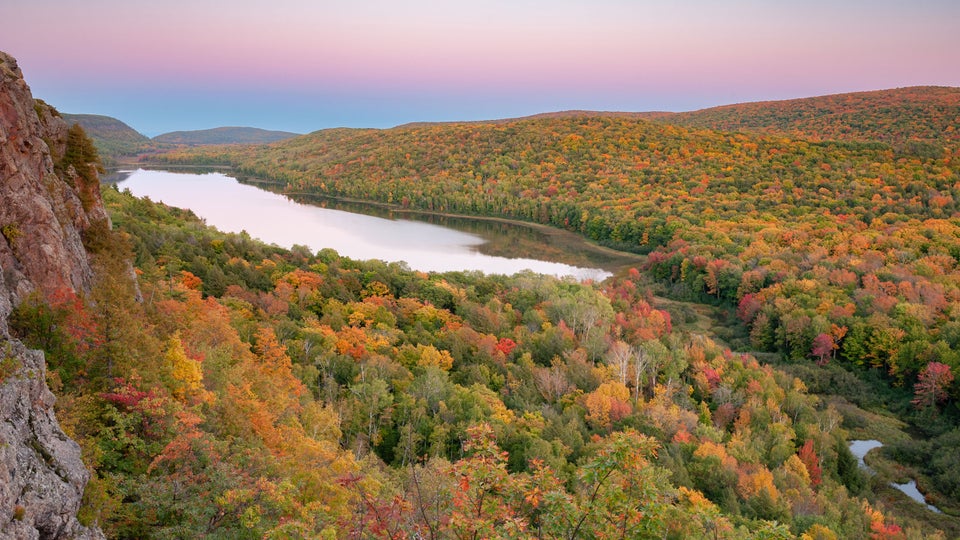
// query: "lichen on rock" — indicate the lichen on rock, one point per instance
point(41, 475)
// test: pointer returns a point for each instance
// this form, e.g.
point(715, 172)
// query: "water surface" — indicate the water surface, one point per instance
point(860, 449)
point(910, 489)
point(490, 247)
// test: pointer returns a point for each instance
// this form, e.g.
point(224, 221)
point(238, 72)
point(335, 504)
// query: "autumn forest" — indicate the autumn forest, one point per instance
point(800, 289)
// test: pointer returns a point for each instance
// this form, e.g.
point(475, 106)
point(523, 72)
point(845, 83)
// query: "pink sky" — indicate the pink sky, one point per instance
point(303, 65)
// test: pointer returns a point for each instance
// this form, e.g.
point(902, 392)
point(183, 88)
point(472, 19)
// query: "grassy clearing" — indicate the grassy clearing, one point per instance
point(864, 425)
point(717, 323)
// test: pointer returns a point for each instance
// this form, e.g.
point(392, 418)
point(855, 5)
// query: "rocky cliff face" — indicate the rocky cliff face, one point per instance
point(44, 211)
point(43, 214)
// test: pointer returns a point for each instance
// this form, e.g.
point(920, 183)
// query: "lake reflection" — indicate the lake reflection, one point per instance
point(233, 207)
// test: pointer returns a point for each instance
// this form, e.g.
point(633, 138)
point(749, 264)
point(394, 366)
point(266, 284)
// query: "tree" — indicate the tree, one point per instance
point(482, 505)
point(186, 372)
point(932, 385)
point(608, 404)
point(823, 347)
point(809, 458)
point(621, 494)
point(81, 154)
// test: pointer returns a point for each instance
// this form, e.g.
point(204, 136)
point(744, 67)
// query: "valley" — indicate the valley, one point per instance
point(823, 247)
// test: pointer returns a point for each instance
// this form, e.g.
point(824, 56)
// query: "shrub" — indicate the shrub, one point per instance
point(12, 233)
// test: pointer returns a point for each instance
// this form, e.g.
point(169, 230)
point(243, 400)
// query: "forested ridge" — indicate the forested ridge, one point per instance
point(223, 135)
point(905, 118)
point(238, 390)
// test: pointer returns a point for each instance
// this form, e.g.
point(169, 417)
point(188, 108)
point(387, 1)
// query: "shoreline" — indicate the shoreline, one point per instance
point(545, 229)
point(502, 237)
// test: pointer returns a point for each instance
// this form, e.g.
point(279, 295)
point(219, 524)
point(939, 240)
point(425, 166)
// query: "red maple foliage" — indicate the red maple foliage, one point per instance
point(932, 385)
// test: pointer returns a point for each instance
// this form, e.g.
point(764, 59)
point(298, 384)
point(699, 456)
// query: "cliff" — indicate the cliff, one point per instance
point(50, 199)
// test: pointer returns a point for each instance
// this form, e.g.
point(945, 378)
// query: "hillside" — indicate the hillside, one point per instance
point(258, 391)
point(230, 389)
point(114, 139)
point(904, 118)
point(224, 135)
point(830, 253)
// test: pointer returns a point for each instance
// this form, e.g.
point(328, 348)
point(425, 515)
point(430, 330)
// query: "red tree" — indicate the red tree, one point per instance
point(809, 458)
point(823, 348)
point(932, 385)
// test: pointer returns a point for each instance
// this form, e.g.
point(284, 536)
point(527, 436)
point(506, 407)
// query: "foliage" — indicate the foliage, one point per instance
point(11, 232)
point(261, 392)
point(916, 121)
point(9, 364)
point(81, 154)
point(932, 385)
point(830, 223)
point(80, 165)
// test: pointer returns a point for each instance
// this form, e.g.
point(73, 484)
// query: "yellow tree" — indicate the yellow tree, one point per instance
point(186, 372)
point(608, 404)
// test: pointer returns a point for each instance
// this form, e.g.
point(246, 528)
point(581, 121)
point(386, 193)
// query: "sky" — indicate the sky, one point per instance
point(304, 65)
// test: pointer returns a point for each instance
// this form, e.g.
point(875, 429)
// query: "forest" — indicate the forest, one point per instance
point(230, 389)
point(824, 229)
point(829, 250)
point(224, 388)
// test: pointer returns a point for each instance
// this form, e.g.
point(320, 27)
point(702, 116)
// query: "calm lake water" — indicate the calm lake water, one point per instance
point(424, 242)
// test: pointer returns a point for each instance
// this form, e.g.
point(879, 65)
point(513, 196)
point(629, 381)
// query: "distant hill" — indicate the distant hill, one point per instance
point(113, 138)
point(918, 120)
point(224, 135)
point(575, 113)
point(116, 141)
point(901, 117)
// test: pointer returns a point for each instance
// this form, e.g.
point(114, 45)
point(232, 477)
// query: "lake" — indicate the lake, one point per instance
point(425, 242)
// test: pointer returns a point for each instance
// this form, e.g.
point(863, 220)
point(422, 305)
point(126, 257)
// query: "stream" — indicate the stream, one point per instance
point(860, 449)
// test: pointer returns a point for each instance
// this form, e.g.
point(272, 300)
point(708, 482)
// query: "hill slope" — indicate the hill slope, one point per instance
point(224, 135)
point(923, 113)
point(113, 138)
point(828, 251)
point(603, 176)
point(332, 397)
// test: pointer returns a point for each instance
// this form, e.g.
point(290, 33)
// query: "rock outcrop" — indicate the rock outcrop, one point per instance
point(43, 214)
point(45, 208)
